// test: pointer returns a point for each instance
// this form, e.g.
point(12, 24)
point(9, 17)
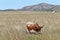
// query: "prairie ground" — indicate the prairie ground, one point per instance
point(13, 25)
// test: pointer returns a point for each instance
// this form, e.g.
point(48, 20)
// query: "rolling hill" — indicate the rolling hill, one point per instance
point(41, 7)
point(37, 7)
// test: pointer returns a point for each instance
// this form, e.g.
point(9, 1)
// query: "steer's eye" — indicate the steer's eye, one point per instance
point(35, 27)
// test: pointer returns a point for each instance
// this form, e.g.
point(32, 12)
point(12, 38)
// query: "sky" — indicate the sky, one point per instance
point(17, 4)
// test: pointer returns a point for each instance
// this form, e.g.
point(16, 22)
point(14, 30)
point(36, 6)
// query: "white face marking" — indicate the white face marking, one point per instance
point(32, 31)
point(29, 23)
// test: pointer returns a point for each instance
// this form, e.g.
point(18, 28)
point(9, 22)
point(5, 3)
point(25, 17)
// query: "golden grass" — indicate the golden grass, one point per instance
point(13, 25)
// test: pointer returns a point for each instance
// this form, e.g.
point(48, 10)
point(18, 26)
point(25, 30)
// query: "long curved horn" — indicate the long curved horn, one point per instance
point(42, 26)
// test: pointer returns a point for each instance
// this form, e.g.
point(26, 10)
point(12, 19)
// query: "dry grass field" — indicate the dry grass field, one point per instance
point(13, 25)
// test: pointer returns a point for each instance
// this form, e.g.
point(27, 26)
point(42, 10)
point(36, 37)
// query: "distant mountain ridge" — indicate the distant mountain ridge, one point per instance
point(41, 7)
point(37, 7)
